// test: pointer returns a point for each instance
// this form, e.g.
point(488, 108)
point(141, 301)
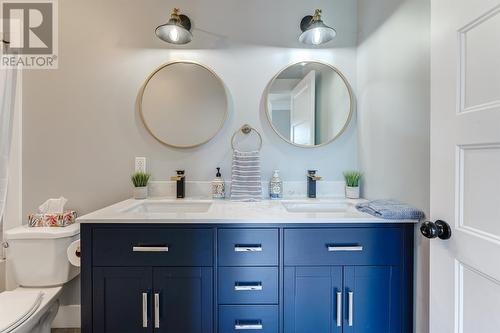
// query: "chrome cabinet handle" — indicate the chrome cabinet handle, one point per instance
point(150, 248)
point(145, 310)
point(157, 310)
point(339, 248)
point(351, 308)
point(248, 248)
point(242, 286)
point(339, 308)
point(247, 325)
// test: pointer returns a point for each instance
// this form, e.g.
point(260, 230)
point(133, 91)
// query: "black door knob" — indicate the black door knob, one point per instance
point(439, 229)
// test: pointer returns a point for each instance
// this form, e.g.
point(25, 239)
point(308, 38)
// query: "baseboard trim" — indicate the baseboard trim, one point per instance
point(68, 316)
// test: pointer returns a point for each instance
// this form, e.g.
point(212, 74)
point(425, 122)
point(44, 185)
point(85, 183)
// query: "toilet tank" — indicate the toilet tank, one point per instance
point(38, 255)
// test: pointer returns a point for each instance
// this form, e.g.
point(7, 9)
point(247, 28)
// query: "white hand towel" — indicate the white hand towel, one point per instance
point(246, 182)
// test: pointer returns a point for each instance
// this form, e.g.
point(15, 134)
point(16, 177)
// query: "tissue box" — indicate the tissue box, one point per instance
point(52, 220)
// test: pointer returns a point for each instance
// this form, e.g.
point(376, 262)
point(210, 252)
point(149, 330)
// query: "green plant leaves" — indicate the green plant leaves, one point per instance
point(140, 179)
point(352, 178)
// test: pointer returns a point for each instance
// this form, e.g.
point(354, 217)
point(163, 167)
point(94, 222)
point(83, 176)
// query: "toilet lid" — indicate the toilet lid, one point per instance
point(16, 307)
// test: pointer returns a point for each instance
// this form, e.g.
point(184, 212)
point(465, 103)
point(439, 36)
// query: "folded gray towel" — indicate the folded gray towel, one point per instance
point(246, 181)
point(391, 210)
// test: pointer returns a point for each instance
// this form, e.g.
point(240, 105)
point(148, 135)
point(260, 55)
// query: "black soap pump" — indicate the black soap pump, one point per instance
point(218, 187)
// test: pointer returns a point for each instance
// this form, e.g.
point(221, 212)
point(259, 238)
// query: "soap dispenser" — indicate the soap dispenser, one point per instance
point(276, 186)
point(218, 187)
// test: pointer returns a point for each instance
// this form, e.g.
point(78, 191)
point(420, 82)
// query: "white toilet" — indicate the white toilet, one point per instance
point(39, 260)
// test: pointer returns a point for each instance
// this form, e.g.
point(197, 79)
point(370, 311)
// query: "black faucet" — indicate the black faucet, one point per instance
point(180, 182)
point(311, 183)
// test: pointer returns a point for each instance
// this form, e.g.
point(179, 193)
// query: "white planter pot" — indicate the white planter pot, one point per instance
point(352, 192)
point(140, 192)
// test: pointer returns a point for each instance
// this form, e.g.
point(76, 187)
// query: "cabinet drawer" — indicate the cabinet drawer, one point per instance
point(248, 285)
point(152, 247)
point(343, 246)
point(248, 247)
point(248, 318)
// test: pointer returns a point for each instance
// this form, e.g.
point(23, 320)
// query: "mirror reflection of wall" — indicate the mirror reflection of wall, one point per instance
point(309, 104)
point(183, 104)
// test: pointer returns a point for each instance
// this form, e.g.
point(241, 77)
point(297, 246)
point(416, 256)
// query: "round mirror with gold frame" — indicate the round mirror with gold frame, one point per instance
point(183, 104)
point(309, 104)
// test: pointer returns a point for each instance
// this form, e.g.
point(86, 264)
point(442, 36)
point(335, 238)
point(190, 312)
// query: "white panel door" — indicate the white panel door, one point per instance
point(465, 165)
point(303, 110)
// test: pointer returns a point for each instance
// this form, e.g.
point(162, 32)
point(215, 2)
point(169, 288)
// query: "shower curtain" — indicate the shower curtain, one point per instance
point(8, 80)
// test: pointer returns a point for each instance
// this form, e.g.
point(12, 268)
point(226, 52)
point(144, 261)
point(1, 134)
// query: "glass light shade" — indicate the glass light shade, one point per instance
point(173, 32)
point(317, 33)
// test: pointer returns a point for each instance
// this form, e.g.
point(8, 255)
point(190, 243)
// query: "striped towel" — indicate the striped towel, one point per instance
point(391, 210)
point(246, 182)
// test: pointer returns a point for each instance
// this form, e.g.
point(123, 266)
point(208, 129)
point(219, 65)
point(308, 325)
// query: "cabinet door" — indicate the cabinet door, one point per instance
point(311, 303)
point(183, 299)
point(122, 300)
point(372, 299)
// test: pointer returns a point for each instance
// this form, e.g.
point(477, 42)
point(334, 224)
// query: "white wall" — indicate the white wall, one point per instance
point(393, 114)
point(81, 129)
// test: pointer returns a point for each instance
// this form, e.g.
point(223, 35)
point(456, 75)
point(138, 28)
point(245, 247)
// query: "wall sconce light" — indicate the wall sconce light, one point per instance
point(314, 31)
point(177, 30)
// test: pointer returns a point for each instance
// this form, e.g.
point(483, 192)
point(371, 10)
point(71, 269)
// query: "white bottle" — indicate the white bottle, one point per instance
point(276, 186)
point(218, 187)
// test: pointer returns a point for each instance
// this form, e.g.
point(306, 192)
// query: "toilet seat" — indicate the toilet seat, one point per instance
point(16, 307)
point(22, 305)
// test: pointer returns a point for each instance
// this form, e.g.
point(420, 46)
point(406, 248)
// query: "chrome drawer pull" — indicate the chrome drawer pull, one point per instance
point(339, 308)
point(157, 310)
point(150, 248)
point(351, 308)
point(332, 248)
point(145, 310)
point(253, 286)
point(248, 325)
point(248, 248)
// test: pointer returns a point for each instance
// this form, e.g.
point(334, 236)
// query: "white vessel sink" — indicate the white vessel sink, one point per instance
point(174, 206)
point(315, 206)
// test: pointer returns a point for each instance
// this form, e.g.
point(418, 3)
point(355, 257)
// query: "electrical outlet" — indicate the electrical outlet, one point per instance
point(140, 164)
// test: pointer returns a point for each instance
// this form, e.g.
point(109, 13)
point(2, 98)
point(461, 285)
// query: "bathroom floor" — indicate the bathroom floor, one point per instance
point(65, 330)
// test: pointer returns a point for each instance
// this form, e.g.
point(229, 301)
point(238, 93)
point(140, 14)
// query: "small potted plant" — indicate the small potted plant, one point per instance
point(140, 181)
point(352, 179)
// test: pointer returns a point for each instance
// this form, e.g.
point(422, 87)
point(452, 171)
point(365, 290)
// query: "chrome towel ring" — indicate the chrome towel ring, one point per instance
point(246, 129)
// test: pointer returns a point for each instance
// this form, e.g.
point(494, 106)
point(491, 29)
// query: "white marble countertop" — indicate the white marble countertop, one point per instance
point(226, 211)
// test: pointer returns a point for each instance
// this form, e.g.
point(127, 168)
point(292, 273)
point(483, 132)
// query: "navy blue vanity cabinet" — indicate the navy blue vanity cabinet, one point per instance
point(153, 246)
point(372, 299)
point(119, 295)
point(183, 296)
point(342, 299)
point(248, 318)
point(248, 280)
point(145, 299)
point(348, 280)
point(147, 279)
point(248, 247)
point(247, 277)
point(310, 299)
